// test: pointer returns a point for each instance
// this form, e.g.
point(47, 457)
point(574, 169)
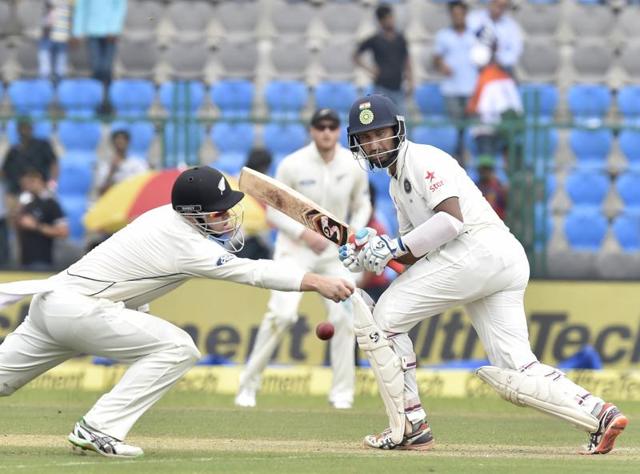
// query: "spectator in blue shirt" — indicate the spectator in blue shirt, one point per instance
point(452, 59)
point(507, 32)
point(101, 22)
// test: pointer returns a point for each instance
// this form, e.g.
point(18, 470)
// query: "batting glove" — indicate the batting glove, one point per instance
point(348, 253)
point(379, 251)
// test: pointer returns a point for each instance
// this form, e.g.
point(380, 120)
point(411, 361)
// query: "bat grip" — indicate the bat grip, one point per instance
point(393, 264)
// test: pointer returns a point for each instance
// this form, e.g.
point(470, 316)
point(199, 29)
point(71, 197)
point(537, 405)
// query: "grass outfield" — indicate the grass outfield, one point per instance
point(192, 433)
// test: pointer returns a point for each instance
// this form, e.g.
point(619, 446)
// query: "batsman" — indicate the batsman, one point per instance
point(460, 253)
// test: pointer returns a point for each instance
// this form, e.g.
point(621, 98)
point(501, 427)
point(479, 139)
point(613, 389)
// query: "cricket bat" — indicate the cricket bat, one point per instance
point(299, 207)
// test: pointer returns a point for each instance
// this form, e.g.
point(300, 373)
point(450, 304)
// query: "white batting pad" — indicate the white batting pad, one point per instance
point(539, 391)
point(386, 365)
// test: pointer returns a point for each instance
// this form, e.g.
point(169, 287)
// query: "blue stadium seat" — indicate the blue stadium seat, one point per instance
point(41, 129)
point(181, 98)
point(286, 99)
point(233, 140)
point(587, 188)
point(336, 95)
point(75, 177)
point(131, 97)
point(75, 207)
point(629, 103)
point(585, 229)
point(80, 97)
point(79, 136)
point(282, 139)
point(142, 134)
point(30, 96)
point(589, 103)
point(429, 100)
point(539, 100)
point(234, 97)
point(444, 137)
point(182, 141)
point(629, 141)
point(628, 187)
point(540, 145)
point(591, 147)
point(543, 226)
point(626, 228)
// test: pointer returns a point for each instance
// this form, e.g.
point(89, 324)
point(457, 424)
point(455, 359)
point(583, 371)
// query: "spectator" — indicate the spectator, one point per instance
point(29, 153)
point(4, 228)
point(507, 32)
point(374, 284)
point(101, 22)
point(121, 166)
point(255, 228)
point(452, 59)
point(391, 57)
point(56, 29)
point(39, 221)
point(495, 101)
point(490, 186)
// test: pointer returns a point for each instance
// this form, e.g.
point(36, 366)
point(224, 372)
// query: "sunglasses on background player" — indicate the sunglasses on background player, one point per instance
point(321, 127)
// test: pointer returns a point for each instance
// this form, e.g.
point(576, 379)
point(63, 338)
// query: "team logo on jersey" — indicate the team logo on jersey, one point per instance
point(224, 259)
point(431, 175)
point(407, 186)
point(366, 117)
point(222, 186)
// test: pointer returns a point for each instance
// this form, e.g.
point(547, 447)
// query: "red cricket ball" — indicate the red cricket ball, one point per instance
point(325, 330)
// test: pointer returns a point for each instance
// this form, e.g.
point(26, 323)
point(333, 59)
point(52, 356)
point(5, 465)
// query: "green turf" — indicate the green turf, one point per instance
point(302, 434)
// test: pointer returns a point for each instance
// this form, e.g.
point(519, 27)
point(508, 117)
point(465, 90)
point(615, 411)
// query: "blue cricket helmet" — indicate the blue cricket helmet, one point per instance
point(373, 112)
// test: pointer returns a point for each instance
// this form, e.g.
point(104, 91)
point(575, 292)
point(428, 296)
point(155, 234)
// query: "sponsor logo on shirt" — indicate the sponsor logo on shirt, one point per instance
point(436, 185)
point(431, 175)
point(224, 259)
point(306, 182)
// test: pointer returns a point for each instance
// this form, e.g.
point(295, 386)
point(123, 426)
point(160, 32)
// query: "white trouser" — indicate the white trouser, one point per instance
point(488, 273)
point(62, 324)
point(283, 313)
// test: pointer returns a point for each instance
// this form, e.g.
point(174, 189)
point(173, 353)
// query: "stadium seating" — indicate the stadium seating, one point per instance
point(587, 188)
point(75, 207)
point(234, 97)
point(336, 95)
point(41, 129)
point(189, 18)
point(131, 97)
point(626, 229)
point(233, 141)
point(79, 136)
point(282, 139)
point(589, 103)
point(591, 147)
point(75, 178)
point(181, 98)
point(30, 96)
point(289, 18)
point(239, 18)
point(585, 229)
point(286, 99)
point(629, 104)
point(138, 57)
point(629, 141)
point(539, 100)
point(182, 140)
point(187, 59)
point(628, 187)
point(141, 15)
point(429, 100)
point(80, 97)
point(141, 132)
point(540, 61)
point(290, 58)
point(238, 57)
point(444, 137)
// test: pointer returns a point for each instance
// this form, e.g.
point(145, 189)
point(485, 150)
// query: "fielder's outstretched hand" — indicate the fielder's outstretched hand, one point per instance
point(335, 289)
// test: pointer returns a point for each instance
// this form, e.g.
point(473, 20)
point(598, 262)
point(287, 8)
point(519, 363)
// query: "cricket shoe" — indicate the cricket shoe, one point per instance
point(341, 405)
point(245, 398)
point(612, 424)
point(88, 439)
point(420, 439)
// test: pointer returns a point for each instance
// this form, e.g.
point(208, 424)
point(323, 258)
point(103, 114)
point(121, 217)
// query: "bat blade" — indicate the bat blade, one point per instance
point(299, 207)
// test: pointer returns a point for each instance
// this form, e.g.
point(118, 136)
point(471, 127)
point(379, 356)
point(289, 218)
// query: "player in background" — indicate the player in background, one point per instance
point(460, 253)
point(92, 306)
point(325, 172)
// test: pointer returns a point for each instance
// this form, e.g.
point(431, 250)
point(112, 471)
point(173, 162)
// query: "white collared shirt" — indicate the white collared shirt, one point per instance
point(426, 177)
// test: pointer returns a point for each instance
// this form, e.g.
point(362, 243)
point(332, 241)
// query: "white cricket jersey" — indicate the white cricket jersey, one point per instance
point(426, 177)
point(156, 253)
point(340, 186)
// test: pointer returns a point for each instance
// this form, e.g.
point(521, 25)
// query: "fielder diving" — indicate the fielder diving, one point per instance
point(96, 305)
point(460, 253)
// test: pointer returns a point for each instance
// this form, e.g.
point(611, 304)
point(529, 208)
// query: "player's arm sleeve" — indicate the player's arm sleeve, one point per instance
point(280, 221)
point(207, 259)
point(360, 206)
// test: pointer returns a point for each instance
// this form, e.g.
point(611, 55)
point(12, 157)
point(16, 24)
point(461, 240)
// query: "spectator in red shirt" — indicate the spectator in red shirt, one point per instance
point(492, 189)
